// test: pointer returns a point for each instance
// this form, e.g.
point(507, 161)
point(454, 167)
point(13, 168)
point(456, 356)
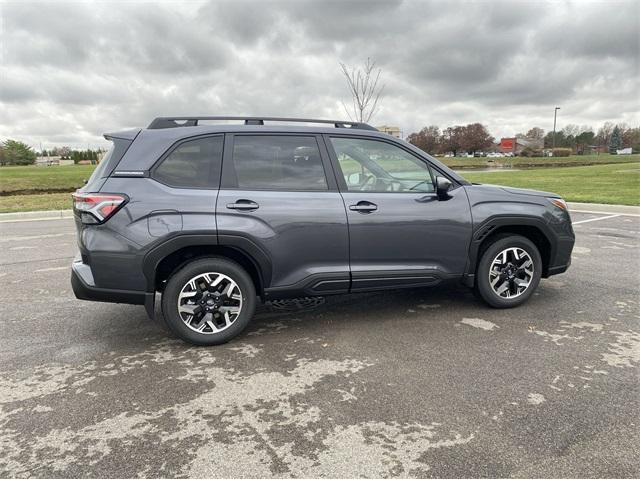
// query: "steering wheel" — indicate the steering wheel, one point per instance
point(368, 179)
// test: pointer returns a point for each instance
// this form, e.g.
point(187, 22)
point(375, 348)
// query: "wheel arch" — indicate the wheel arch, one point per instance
point(162, 260)
point(534, 229)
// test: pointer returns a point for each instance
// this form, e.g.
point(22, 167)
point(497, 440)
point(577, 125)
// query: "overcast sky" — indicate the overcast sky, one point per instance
point(72, 71)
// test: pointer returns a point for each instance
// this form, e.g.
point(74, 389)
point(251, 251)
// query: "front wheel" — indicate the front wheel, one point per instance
point(208, 301)
point(509, 271)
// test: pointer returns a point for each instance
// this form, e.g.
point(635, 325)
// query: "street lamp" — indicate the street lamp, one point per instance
point(555, 113)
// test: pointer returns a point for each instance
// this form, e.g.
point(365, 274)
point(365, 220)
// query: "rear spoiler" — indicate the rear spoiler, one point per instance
point(129, 135)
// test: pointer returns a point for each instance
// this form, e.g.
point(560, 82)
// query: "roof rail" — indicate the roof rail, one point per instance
point(178, 121)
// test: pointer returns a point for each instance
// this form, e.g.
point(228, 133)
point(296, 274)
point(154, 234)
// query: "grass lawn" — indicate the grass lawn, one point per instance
point(53, 201)
point(522, 162)
point(611, 184)
point(33, 179)
point(617, 183)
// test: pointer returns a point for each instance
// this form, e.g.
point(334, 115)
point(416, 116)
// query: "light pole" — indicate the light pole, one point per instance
point(553, 141)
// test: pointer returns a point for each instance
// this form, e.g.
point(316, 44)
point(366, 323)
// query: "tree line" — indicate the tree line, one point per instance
point(582, 138)
point(14, 152)
point(454, 139)
point(475, 137)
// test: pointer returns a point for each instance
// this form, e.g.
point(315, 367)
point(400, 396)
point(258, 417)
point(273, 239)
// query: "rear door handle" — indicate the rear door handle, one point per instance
point(364, 207)
point(245, 205)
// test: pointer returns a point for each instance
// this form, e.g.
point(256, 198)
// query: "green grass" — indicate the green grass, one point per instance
point(611, 184)
point(17, 203)
point(617, 183)
point(34, 179)
point(522, 162)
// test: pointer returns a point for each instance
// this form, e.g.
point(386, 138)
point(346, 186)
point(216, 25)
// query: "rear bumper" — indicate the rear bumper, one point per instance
point(84, 288)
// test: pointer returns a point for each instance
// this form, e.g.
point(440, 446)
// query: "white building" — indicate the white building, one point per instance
point(390, 130)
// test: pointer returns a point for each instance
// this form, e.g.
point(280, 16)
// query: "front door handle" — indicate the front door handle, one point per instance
point(244, 205)
point(364, 207)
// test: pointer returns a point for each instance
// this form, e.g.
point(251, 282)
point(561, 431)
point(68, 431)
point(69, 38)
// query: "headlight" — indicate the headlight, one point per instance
point(559, 203)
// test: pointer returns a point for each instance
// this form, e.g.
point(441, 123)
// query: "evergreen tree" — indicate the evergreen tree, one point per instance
point(18, 153)
point(615, 142)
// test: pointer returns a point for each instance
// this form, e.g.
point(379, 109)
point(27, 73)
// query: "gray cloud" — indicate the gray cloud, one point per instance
point(71, 71)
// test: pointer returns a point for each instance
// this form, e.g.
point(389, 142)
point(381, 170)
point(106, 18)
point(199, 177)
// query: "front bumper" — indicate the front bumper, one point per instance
point(562, 257)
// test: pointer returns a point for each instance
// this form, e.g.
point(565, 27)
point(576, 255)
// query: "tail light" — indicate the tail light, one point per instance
point(96, 208)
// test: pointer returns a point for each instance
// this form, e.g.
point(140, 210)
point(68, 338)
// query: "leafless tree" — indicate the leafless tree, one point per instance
point(365, 89)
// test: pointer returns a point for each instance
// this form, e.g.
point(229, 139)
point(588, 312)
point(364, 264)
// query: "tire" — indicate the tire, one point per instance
point(520, 278)
point(218, 291)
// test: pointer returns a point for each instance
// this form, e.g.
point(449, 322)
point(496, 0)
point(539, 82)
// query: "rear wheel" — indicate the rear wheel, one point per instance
point(509, 271)
point(208, 301)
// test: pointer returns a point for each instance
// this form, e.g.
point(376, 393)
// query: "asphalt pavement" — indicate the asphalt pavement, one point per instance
point(411, 383)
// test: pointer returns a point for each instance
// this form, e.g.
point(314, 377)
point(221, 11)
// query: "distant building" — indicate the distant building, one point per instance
point(53, 161)
point(516, 145)
point(390, 130)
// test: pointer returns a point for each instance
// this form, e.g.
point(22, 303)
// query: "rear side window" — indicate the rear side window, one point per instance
point(273, 162)
point(192, 164)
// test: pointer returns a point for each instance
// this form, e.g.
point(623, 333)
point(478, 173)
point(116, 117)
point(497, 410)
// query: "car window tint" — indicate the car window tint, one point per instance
point(189, 164)
point(372, 165)
point(278, 162)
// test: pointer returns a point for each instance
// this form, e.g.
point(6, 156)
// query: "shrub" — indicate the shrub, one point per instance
point(562, 151)
point(530, 152)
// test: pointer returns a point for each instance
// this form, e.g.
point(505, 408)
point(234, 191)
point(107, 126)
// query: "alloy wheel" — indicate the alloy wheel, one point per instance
point(210, 303)
point(511, 272)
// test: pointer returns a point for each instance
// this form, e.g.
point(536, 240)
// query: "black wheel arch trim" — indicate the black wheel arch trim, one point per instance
point(259, 258)
point(487, 227)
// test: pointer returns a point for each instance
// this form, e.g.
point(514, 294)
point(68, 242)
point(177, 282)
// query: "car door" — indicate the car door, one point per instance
point(400, 233)
point(277, 199)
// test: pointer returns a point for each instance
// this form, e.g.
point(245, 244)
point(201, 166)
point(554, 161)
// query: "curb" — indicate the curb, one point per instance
point(604, 209)
point(35, 216)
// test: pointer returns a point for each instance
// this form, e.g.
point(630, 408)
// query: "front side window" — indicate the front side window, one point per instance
point(377, 166)
point(273, 162)
point(192, 164)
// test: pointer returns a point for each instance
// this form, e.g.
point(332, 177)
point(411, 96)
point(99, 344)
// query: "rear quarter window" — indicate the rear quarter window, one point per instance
point(192, 164)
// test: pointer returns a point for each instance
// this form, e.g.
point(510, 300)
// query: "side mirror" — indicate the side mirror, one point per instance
point(443, 185)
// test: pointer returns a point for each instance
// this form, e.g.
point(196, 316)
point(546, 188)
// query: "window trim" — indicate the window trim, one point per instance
point(214, 174)
point(342, 184)
point(228, 180)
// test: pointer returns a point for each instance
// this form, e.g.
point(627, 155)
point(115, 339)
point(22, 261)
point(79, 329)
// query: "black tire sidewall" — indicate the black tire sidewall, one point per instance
point(483, 286)
point(207, 265)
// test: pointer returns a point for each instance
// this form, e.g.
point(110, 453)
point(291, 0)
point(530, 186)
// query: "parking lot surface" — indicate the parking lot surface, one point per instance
point(411, 383)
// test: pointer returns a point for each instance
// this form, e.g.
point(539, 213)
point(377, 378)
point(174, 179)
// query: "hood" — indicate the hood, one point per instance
point(522, 191)
point(514, 191)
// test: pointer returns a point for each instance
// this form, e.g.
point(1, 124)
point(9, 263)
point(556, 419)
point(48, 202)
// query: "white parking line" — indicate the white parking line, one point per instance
point(594, 212)
point(34, 237)
point(60, 268)
point(595, 219)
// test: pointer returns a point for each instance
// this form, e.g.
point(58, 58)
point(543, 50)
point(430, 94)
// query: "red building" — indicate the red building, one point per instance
point(516, 145)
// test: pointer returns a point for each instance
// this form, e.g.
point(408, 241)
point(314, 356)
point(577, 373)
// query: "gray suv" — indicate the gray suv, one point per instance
point(214, 215)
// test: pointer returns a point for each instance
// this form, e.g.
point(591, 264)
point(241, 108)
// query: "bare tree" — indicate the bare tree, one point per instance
point(427, 139)
point(365, 90)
